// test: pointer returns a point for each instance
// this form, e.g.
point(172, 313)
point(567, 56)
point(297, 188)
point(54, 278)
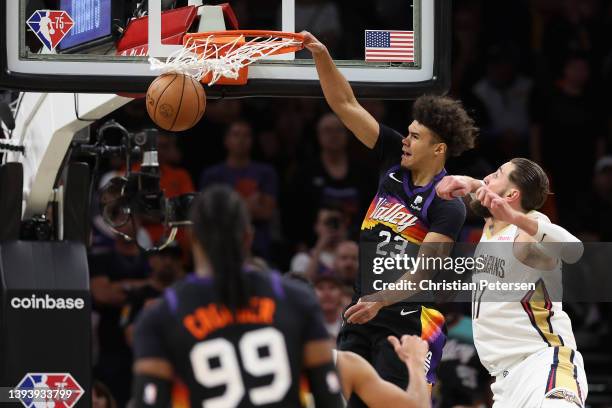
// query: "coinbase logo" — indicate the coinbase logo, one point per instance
point(47, 302)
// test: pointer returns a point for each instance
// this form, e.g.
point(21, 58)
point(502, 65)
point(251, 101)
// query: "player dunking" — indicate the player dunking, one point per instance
point(404, 213)
point(235, 338)
point(526, 342)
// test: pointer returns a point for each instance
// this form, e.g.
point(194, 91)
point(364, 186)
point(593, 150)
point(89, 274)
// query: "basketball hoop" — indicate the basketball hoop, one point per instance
point(223, 57)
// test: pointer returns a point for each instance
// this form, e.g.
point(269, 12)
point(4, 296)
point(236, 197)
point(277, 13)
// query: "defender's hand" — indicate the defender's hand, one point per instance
point(412, 349)
point(362, 312)
point(312, 44)
point(454, 186)
point(500, 209)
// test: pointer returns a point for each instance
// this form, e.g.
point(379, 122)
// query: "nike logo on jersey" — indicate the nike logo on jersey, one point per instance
point(404, 313)
point(392, 175)
point(393, 213)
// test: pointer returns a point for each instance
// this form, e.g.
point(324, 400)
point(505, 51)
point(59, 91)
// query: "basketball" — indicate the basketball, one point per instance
point(176, 102)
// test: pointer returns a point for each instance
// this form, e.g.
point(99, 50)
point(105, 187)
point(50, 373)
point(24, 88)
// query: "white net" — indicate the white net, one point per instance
point(201, 56)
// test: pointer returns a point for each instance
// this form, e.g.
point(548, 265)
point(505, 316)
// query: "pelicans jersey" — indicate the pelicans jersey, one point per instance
point(249, 358)
point(524, 334)
point(396, 223)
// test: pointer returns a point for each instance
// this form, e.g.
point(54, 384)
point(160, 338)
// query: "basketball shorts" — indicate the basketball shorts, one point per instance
point(552, 378)
point(370, 340)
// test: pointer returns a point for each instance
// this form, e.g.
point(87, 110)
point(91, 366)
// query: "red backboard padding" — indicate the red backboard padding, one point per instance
point(231, 22)
point(175, 24)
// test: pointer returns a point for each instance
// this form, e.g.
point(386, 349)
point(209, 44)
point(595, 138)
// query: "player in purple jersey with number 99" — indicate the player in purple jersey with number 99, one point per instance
point(234, 337)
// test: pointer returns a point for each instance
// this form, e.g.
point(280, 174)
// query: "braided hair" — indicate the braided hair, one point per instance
point(220, 223)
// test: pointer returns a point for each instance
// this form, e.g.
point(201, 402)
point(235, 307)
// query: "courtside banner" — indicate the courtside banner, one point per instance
point(45, 325)
point(46, 341)
point(491, 272)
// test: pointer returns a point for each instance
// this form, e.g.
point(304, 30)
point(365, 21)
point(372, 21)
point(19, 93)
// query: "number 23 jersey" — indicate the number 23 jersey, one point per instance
point(247, 359)
point(401, 214)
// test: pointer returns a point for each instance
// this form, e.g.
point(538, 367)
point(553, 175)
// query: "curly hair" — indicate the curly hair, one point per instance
point(448, 120)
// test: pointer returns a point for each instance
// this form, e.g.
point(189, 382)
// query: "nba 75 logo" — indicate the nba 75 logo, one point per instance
point(48, 390)
point(50, 26)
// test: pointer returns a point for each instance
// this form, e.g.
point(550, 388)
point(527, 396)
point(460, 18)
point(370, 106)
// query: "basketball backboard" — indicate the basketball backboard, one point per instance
point(103, 45)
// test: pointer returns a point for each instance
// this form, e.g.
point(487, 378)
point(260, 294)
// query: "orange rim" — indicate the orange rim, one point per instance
point(232, 34)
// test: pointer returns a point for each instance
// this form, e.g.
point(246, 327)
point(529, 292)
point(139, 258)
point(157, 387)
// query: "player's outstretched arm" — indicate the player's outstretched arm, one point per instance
point(359, 377)
point(412, 350)
point(321, 374)
point(556, 242)
point(552, 240)
point(451, 187)
point(340, 96)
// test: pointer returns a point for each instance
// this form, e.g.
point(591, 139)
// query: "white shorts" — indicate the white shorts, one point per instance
point(552, 378)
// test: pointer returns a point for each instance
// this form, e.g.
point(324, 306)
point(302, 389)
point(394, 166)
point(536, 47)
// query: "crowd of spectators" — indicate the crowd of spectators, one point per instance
point(534, 73)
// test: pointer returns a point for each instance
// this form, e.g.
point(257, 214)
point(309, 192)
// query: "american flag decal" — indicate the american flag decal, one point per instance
point(389, 46)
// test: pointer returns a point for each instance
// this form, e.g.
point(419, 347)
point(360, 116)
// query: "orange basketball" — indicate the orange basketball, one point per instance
point(176, 101)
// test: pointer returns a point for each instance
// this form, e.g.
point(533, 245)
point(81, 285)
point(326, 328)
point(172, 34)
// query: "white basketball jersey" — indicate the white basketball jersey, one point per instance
point(510, 326)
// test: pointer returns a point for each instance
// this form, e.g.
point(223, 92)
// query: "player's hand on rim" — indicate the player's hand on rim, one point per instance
point(411, 349)
point(362, 312)
point(312, 44)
